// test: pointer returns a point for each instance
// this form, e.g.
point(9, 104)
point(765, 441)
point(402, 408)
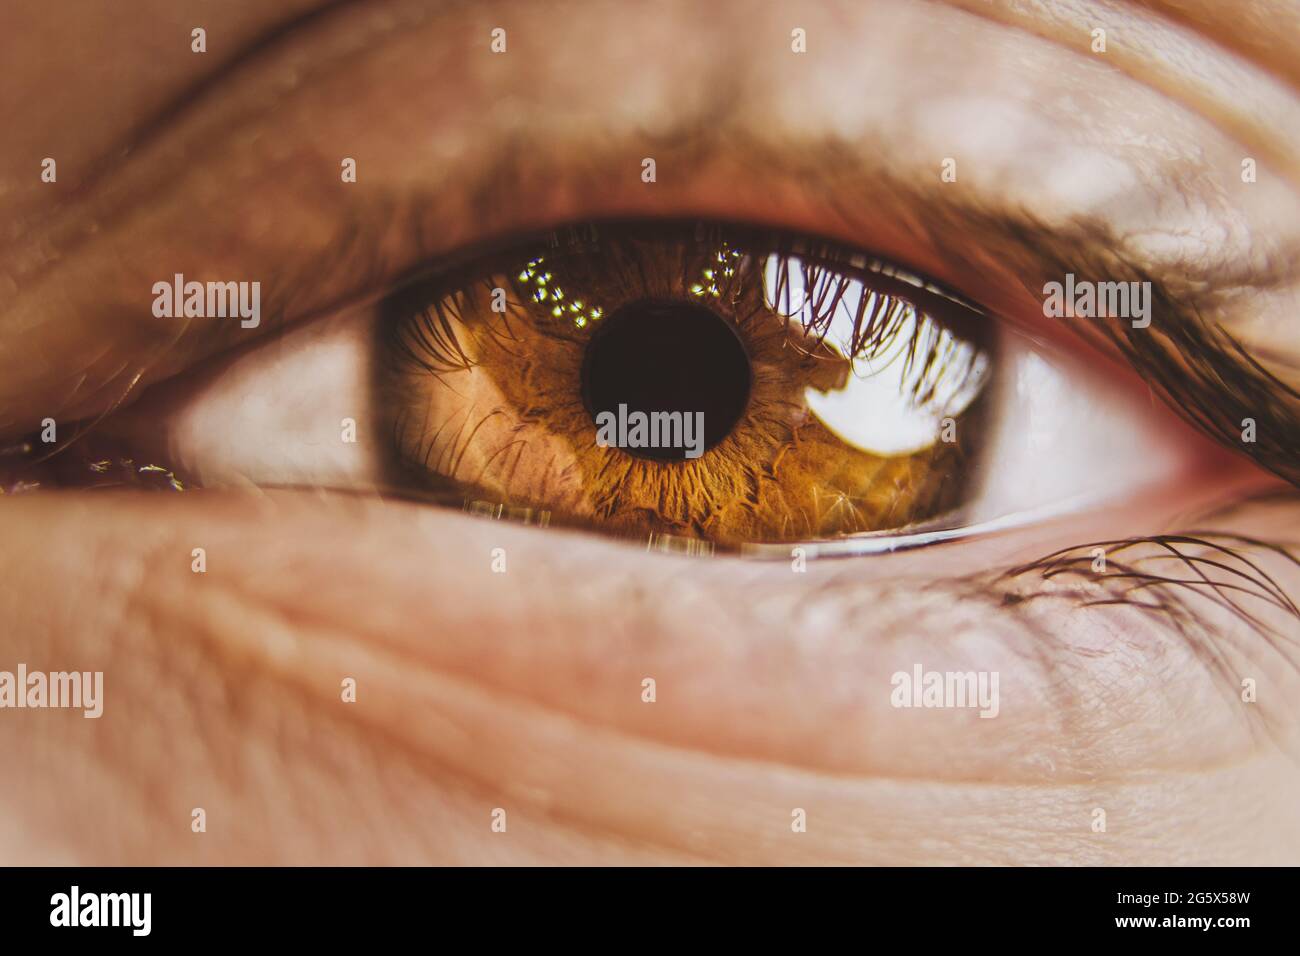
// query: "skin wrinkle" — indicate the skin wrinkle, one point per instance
point(101, 749)
point(152, 594)
point(118, 183)
point(290, 676)
point(148, 606)
point(293, 674)
point(1267, 40)
point(293, 650)
point(1178, 62)
point(85, 47)
point(239, 698)
point(68, 224)
point(270, 41)
point(294, 21)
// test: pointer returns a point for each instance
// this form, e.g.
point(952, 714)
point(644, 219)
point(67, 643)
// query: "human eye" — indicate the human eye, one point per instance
point(687, 386)
point(821, 329)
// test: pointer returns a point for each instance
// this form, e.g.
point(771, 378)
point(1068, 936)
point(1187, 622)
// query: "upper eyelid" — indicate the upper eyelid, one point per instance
point(380, 217)
point(280, 43)
point(1017, 234)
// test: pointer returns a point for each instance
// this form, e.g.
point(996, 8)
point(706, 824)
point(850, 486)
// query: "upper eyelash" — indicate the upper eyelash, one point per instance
point(1217, 387)
point(1202, 371)
point(430, 341)
point(877, 330)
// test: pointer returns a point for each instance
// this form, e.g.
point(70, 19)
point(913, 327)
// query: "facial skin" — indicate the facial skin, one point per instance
point(524, 691)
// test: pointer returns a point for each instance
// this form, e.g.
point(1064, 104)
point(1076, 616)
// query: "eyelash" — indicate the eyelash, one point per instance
point(1204, 374)
point(1132, 579)
point(829, 268)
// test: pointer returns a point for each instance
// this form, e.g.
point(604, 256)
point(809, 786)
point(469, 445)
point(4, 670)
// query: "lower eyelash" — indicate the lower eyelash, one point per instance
point(1174, 578)
point(83, 463)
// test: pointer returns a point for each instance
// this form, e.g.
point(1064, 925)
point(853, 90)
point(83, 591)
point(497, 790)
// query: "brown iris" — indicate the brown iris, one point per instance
point(494, 379)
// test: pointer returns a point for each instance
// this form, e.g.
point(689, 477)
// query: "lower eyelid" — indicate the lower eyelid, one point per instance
point(761, 663)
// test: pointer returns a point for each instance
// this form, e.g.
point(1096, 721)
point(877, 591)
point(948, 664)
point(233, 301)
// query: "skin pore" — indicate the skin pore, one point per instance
point(523, 691)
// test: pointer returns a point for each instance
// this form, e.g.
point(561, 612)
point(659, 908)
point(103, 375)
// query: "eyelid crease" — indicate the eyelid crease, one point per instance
point(1086, 245)
point(156, 126)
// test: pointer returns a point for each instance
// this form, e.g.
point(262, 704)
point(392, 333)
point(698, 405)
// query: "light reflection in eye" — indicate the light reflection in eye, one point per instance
point(715, 278)
point(917, 397)
point(535, 274)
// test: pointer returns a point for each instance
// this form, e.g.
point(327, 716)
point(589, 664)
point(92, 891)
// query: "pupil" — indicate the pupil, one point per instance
point(667, 357)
